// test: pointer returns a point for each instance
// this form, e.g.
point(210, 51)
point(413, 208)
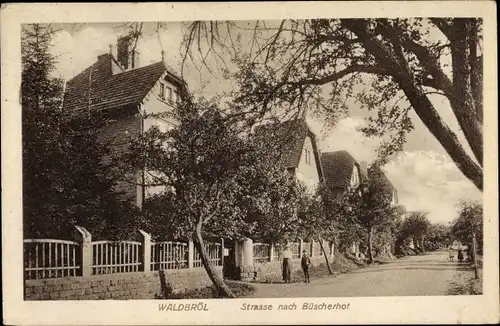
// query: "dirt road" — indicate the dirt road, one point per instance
point(429, 274)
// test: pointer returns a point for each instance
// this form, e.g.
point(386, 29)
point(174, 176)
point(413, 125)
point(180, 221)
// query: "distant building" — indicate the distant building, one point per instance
point(342, 171)
point(118, 87)
point(390, 188)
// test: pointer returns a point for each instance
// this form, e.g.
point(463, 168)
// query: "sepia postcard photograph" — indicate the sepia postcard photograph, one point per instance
point(250, 163)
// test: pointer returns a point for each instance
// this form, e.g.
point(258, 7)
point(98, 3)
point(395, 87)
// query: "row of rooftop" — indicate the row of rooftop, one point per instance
point(117, 86)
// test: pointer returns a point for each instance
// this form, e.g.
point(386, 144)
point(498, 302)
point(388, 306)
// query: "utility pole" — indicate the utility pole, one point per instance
point(474, 254)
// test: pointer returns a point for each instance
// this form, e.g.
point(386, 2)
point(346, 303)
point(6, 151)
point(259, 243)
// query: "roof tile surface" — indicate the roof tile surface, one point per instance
point(108, 90)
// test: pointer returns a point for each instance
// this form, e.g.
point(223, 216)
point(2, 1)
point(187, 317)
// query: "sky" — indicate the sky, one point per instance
point(424, 175)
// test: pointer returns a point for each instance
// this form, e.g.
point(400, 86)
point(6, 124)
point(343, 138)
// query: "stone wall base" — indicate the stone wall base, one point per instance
point(272, 271)
point(125, 286)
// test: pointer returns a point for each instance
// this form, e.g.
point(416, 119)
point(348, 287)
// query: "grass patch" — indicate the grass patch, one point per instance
point(466, 284)
point(210, 292)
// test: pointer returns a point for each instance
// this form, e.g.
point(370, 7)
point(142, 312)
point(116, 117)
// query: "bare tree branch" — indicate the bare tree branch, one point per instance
point(347, 71)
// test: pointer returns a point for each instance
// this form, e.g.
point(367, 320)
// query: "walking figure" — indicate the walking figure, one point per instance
point(305, 263)
point(287, 266)
point(451, 254)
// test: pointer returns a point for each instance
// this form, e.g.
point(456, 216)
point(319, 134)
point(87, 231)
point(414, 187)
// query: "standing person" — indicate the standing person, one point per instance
point(451, 254)
point(305, 262)
point(287, 264)
point(460, 254)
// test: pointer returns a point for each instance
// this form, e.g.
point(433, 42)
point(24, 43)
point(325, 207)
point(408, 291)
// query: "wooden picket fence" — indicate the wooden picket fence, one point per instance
point(52, 258)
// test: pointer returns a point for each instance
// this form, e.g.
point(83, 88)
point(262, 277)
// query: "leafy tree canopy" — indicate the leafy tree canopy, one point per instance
point(320, 65)
point(67, 179)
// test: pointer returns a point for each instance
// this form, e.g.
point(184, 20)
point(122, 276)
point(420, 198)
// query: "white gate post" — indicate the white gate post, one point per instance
point(145, 239)
point(190, 254)
point(222, 251)
point(248, 252)
point(85, 239)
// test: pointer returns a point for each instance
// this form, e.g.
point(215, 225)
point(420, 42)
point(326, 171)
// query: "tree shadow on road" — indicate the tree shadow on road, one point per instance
point(413, 267)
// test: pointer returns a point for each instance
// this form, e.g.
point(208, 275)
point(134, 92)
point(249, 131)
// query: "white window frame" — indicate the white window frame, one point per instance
point(169, 95)
point(162, 91)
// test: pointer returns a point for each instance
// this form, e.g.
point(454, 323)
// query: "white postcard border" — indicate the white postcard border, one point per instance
point(446, 309)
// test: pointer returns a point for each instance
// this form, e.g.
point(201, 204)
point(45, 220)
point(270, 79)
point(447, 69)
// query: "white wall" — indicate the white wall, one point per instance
point(355, 176)
point(153, 104)
point(307, 172)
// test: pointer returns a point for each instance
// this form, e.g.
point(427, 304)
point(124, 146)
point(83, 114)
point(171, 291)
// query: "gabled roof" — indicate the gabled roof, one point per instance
point(108, 90)
point(290, 137)
point(338, 167)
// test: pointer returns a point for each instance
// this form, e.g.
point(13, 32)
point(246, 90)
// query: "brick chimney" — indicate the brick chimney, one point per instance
point(126, 57)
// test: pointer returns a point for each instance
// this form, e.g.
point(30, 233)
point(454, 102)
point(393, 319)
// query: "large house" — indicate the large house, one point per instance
point(297, 144)
point(117, 86)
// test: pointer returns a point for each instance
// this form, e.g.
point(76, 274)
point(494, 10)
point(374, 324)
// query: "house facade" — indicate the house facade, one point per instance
point(118, 87)
point(343, 172)
point(297, 145)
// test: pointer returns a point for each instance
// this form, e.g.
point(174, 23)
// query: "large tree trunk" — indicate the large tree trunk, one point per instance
point(476, 65)
point(370, 245)
point(463, 101)
point(423, 106)
point(330, 271)
point(218, 282)
point(431, 119)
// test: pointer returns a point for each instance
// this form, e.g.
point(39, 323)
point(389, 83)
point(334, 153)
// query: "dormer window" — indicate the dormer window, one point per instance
point(168, 94)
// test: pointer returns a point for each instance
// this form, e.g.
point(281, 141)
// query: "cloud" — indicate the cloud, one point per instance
point(78, 51)
point(345, 136)
point(431, 182)
point(426, 180)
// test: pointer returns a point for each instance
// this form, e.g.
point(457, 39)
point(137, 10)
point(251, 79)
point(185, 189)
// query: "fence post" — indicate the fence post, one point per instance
point(85, 239)
point(271, 251)
point(248, 252)
point(301, 247)
point(145, 239)
point(190, 254)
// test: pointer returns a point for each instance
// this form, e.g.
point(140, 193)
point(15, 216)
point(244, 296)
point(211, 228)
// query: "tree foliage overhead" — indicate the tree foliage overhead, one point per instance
point(65, 179)
point(319, 64)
